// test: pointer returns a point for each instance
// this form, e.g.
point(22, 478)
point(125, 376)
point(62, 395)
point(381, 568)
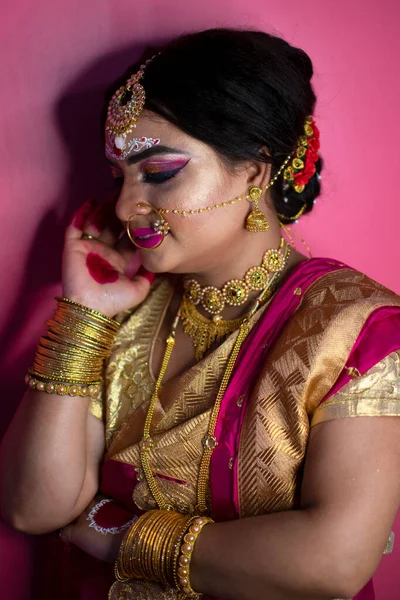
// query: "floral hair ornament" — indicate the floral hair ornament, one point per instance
point(302, 167)
point(125, 107)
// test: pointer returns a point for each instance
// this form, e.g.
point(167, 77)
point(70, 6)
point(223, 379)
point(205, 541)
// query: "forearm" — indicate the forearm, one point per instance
point(293, 555)
point(44, 462)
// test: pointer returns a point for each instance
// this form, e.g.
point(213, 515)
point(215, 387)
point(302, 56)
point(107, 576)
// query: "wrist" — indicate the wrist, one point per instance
point(198, 556)
point(159, 548)
point(69, 358)
point(89, 303)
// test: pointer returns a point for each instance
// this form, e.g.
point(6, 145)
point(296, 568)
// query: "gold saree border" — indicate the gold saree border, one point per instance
point(300, 370)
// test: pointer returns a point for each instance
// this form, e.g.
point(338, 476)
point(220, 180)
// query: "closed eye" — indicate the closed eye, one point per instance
point(152, 174)
point(160, 177)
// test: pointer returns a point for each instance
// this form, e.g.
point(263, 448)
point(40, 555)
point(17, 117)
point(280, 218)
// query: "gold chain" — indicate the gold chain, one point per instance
point(209, 442)
point(294, 217)
point(197, 211)
point(147, 441)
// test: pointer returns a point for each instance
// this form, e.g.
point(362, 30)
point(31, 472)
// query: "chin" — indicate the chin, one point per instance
point(156, 261)
point(164, 259)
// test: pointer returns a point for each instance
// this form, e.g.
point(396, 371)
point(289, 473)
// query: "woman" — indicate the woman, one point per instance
point(232, 464)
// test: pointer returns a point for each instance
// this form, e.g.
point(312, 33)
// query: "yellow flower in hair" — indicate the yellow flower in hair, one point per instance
point(297, 164)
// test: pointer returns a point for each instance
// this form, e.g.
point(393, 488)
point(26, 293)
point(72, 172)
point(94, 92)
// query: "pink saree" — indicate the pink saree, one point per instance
point(325, 324)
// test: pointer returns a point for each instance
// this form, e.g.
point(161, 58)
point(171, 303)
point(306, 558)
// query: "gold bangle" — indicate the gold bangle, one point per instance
point(86, 309)
point(69, 359)
point(151, 546)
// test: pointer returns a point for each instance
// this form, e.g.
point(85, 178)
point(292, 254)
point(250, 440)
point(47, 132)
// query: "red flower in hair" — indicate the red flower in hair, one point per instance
point(313, 144)
point(312, 156)
point(315, 129)
point(301, 178)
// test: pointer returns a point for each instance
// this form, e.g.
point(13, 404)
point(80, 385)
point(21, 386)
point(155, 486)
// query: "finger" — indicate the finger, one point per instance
point(132, 261)
point(66, 534)
point(103, 224)
point(144, 274)
point(75, 227)
point(140, 287)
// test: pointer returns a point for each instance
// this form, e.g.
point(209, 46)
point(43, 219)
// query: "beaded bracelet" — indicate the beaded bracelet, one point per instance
point(62, 389)
point(182, 577)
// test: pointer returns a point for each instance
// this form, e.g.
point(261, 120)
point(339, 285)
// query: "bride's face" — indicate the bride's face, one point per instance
point(181, 173)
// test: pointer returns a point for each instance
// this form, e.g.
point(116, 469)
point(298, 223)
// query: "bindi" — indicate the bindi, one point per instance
point(134, 145)
point(100, 269)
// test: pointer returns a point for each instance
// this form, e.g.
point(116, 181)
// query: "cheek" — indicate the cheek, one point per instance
point(207, 187)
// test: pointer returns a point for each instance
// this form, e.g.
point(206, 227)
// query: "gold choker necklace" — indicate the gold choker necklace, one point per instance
point(204, 331)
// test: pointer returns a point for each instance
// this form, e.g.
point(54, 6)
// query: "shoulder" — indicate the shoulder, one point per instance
point(336, 311)
point(339, 302)
point(345, 287)
point(335, 306)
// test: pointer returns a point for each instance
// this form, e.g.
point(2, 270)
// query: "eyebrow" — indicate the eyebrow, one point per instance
point(134, 158)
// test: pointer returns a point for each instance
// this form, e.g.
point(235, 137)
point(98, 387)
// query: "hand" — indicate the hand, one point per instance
point(103, 273)
point(101, 546)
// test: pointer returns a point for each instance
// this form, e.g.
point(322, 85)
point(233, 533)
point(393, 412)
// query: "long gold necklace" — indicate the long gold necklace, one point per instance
point(205, 331)
point(209, 441)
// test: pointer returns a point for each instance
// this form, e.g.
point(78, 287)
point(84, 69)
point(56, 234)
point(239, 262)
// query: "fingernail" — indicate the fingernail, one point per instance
point(103, 216)
point(146, 274)
point(80, 216)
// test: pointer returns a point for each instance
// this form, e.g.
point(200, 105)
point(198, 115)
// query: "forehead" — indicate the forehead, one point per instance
point(152, 130)
point(152, 125)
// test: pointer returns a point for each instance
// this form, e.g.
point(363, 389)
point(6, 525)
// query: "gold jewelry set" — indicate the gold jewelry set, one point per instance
point(69, 360)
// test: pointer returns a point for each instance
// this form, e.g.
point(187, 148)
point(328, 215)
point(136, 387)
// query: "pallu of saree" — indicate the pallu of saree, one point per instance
point(325, 347)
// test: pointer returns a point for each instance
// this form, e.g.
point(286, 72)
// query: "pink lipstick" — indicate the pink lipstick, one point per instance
point(146, 237)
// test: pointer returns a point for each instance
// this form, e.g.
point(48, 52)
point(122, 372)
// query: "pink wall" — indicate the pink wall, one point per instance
point(55, 59)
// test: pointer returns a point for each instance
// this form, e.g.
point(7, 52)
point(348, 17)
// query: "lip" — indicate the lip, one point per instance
point(153, 239)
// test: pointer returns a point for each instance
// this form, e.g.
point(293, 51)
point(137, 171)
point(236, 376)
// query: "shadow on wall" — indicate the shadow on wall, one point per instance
point(78, 116)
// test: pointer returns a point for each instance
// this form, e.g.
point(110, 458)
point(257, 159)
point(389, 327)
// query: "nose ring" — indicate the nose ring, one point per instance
point(160, 228)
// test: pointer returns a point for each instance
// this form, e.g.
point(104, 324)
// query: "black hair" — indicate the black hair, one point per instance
point(237, 91)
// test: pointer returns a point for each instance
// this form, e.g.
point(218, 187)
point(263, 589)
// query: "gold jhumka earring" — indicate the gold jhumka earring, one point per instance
point(256, 220)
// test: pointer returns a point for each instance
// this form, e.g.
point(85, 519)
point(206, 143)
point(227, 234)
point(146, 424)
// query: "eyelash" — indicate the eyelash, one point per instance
point(152, 178)
point(161, 177)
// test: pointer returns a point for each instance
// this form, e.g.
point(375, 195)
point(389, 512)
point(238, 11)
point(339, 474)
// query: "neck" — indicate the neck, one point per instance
point(244, 255)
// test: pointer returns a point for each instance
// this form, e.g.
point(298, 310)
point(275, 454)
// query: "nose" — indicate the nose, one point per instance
point(124, 210)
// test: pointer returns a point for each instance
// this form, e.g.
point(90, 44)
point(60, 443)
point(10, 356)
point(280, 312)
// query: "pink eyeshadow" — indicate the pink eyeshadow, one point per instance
point(163, 165)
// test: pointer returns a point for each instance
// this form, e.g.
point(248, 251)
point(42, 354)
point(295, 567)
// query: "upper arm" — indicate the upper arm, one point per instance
point(352, 481)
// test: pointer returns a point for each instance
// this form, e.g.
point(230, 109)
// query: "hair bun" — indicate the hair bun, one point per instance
point(302, 62)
